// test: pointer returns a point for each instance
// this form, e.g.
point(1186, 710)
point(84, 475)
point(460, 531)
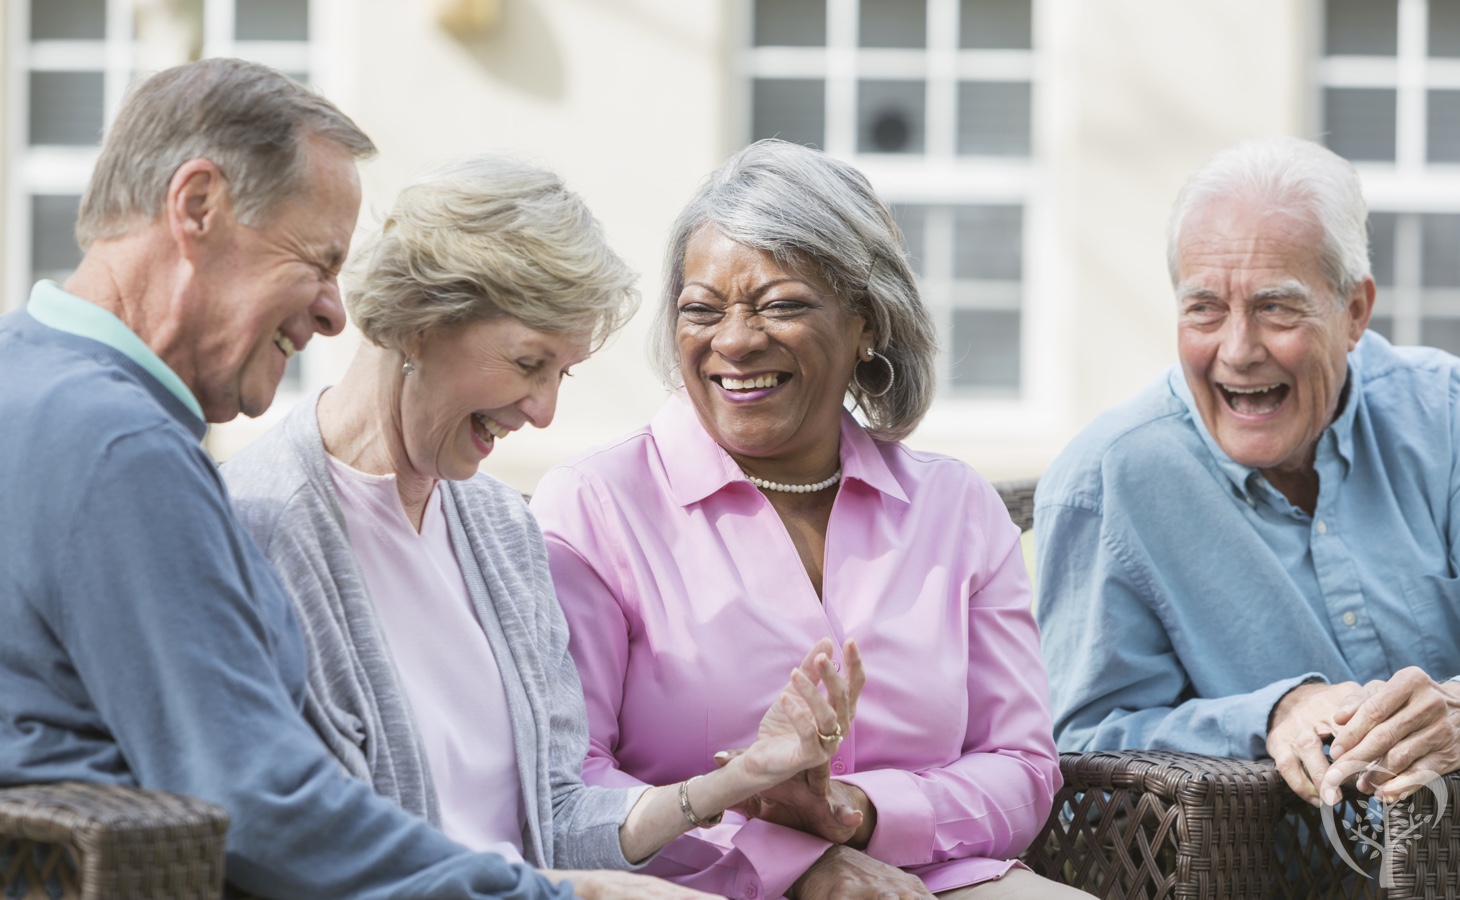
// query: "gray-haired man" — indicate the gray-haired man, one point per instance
point(146, 639)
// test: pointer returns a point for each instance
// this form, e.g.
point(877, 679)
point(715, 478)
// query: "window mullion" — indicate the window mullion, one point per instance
point(1408, 241)
point(1409, 145)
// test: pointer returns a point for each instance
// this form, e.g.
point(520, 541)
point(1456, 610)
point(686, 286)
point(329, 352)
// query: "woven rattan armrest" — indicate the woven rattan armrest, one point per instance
point(1162, 824)
point(95, 840)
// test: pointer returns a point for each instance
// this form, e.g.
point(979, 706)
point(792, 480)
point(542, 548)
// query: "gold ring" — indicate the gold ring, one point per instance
point(832, 738)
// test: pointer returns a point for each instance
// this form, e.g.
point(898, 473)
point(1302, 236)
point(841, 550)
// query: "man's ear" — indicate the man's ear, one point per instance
point(197, 204)
point(1360, 307)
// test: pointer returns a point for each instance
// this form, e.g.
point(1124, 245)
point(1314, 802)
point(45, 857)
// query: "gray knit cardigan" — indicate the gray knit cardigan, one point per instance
point(283, 493)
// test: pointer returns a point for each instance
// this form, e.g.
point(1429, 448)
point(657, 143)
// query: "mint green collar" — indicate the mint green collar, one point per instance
point(57, 309)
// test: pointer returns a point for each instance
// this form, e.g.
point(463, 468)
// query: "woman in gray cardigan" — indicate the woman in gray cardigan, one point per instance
point(439, 665)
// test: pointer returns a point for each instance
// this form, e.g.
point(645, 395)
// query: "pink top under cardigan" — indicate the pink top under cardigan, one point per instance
point(688, 606)
point(442, 658)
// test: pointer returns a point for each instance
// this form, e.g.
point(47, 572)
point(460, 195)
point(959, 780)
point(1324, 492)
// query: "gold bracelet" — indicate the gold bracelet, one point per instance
point(689, 813)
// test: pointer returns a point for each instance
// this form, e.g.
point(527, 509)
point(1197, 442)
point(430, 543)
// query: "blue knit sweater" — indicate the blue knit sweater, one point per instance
point(144, 639)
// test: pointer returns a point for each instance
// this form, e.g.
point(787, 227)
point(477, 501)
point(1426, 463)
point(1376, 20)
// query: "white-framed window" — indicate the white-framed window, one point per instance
point(70, 64)
point(934, 100)
point(1389, 101)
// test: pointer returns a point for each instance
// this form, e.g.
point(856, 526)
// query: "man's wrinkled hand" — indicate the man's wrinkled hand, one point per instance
point(1299, 724)
point(1395, 736)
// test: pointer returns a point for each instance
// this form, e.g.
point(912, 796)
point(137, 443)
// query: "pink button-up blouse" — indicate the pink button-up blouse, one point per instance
point(689, 606)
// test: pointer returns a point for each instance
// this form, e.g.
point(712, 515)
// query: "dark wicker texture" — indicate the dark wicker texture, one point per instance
point(99, 841)
point(1149, 824)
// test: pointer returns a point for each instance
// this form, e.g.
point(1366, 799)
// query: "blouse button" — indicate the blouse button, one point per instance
point(752, 891)
point(838, 766)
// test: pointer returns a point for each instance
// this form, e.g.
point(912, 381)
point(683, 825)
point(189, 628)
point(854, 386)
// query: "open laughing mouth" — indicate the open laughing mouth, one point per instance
point(486, 430)
point(285, 344)
point(1258, 400)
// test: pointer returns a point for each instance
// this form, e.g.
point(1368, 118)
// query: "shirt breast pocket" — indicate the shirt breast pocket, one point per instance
point(1435, 603)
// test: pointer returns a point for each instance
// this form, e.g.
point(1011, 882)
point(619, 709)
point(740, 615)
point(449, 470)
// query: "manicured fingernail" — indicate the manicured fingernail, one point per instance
point(723, 754)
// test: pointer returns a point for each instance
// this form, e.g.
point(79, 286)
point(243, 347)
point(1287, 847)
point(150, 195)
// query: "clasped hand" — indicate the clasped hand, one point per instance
point(1392, 736)
point(807, 798)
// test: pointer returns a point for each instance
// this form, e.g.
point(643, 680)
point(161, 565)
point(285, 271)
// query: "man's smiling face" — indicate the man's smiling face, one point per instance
point(1263, 339)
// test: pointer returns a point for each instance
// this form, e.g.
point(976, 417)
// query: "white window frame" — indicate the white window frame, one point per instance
point(942, 177)
point(1410, 185)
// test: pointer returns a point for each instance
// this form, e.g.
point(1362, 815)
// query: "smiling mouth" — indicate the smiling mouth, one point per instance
point(487, 428)
point(1254, 401)
point(285, 344)
point(754, 383)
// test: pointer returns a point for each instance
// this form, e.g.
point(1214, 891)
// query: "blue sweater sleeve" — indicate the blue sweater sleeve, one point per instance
point(1116, 681)
point(188, 650)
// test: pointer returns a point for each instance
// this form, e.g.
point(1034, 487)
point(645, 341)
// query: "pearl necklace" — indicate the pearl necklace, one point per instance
point(795, 488)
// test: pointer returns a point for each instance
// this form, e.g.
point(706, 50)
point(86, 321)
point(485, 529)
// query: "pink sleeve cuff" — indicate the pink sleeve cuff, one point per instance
point(905, 823)
point(779, 855)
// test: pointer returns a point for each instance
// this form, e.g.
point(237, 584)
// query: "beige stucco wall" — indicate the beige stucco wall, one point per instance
point(1162, 86)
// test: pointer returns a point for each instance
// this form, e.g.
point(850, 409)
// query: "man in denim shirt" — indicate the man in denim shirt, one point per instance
point(1257, 554)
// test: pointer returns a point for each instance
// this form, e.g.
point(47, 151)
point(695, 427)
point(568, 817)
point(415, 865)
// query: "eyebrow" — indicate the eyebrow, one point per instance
point(755, 293)
point(1287, 290)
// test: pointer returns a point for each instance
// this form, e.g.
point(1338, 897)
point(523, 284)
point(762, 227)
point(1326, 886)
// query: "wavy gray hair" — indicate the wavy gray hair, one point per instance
point(1294, 177)
point(488, 236)
point(250, 120)
point(813, 212)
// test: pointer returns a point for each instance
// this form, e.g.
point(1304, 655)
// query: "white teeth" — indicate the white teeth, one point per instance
point(741, 384)
point(1252, 390)
point(490, 426)
point(282, 341)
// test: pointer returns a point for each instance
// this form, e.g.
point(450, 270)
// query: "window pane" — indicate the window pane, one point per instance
point(67, 20)
point(53, 250)
point(792, 109)
point(912, 220)
point(984, 351)
point(893, 23)
point(65, 107)
point(1384, 325)
point(1442, 113)
point(1360, 123)
point(1362, 27)
point(1442, 333)
point(993, 118)
point(890, 116)
point(1444, 27)
point(988, 242)
point(1441, 248)
point(790, 23)
point(1381, 247)
point(271, 20)
point(995, 25)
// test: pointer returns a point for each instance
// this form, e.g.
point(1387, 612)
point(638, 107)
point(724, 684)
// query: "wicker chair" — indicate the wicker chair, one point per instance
point(1153, 824)
point(96, 841)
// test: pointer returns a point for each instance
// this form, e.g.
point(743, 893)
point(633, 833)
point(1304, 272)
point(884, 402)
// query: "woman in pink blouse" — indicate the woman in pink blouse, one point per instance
point(696, 558)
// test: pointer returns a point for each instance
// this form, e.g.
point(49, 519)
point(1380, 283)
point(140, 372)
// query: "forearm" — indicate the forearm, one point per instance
point(659, 816)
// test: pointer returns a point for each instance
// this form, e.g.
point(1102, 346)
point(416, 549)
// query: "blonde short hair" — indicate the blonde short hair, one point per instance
point(488, 236)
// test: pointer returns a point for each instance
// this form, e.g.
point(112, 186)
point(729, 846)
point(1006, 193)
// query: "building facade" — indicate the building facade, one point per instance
point(1030, 148)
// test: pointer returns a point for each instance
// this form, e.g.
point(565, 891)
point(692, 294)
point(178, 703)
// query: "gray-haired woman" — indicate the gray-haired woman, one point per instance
point(439, 668)
point(755, 514)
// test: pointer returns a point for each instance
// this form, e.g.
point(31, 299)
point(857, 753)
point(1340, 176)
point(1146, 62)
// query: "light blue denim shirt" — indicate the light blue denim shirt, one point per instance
point(1180, 595)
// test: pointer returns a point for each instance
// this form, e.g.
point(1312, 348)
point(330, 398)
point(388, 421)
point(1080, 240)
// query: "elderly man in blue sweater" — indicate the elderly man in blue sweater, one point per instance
point(1257, 556)
point(147, 642)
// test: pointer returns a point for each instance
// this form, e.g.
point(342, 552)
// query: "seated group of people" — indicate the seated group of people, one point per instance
point(758, 648)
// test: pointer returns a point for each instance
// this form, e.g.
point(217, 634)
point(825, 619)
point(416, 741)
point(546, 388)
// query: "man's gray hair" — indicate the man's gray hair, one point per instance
point(1294, 177)
point(249, 120)
point(817, 215)
point(483, 237)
